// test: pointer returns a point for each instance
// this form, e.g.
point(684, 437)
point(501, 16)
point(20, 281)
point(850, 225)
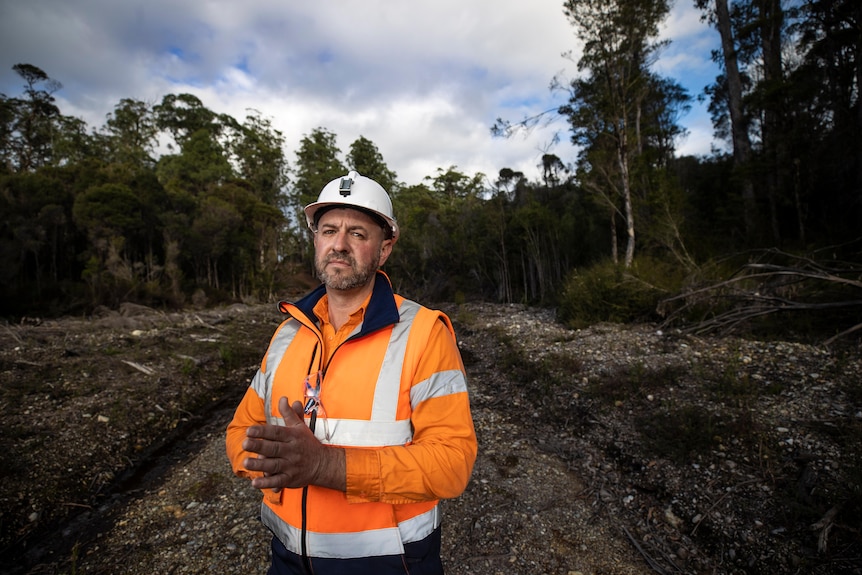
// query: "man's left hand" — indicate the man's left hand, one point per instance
point(290, 456)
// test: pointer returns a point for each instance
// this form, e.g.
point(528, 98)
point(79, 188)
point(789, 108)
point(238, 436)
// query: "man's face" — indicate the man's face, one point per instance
point(349, 248)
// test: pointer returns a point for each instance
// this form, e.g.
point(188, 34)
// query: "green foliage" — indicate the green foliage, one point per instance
point(317, 164)
point(365, 158)
point(260, 154)
point(607, 292)
point(95, 216)
point(235, 354)
point(109, 210)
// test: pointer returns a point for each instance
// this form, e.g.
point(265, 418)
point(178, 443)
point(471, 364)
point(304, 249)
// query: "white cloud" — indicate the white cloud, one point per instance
point(423, 80)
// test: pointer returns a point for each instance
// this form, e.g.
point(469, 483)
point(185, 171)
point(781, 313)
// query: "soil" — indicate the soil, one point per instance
point(613, 449)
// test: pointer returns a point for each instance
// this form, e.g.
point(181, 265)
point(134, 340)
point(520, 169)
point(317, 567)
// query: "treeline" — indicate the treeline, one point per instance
point(171, 203)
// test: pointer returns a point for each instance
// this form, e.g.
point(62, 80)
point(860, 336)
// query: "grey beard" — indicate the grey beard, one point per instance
point(357, 277)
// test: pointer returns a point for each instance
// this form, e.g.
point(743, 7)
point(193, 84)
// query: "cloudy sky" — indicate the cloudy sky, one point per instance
point(424, 79)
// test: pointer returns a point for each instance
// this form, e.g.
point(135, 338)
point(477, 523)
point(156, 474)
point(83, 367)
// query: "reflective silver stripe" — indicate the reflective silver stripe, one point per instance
point(439, 384)
point(358, 432)
point(274, 355)
point(280, 343)
point(385, 405)
point(259, 383)
point(388, 541)
point(419, 527)
point(361, 433)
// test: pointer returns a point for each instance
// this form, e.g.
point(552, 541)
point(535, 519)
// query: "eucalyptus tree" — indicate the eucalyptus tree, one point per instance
point(365, 158)
point(727, 96)
point(826, 120)
point(317, 163)
point(606, 107)
point(131, 134)
point(259, 154)
point(444, 246)
point(112, 217)
point(768, 106)
point(258, 151)
point(184, 115)
point(29, 121)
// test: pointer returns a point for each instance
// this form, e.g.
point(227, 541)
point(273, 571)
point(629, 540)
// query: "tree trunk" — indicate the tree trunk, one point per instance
point(858, 55)
point(771, 18)
point(625, 176)
point(738, 122)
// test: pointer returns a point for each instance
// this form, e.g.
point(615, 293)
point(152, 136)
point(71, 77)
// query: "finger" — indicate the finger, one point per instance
point(273, 432)
point(274, 482)
point(266, 465)
point(262, 447)
point(299, 409)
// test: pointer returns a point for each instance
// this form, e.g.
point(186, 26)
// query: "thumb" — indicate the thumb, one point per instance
point(292, 414)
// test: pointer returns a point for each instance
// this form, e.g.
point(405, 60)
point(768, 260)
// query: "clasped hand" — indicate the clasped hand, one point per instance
point(289, 456)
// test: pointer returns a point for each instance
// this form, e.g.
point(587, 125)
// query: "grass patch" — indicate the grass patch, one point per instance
point(208, 488)
point(685, 433)
point(235, 354)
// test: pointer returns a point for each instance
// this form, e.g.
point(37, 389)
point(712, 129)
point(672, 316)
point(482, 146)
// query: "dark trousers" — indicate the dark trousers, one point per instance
point(420, 558)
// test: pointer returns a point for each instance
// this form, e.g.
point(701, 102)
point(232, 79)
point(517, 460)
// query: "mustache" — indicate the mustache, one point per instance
point(339, 257)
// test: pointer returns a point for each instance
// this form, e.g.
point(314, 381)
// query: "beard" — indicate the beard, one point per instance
point(342, 279)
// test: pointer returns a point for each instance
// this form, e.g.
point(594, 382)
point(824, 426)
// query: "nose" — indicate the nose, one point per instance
point(339, 242)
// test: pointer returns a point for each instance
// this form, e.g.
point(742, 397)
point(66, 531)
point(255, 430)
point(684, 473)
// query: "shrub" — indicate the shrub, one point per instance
point(608, 292)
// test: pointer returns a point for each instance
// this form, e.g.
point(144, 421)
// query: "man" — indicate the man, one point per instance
point(358, 420)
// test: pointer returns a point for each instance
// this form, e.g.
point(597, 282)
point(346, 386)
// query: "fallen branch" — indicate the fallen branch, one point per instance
point(197, 317)
point(14, 335)
point(759, 289)
point(142, 368)
point(647, 557)
point(724, 496)
point(825, 526)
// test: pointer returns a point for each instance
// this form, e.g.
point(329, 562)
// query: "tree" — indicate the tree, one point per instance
point(112, 216)
point(131, 134)
point(71, 143)
point(451, 184)
point(718, 15)
point(365, 158)
point(825, 118)
point(317, 164)
point(259, 153)
point(183, 115)
point(606, 105)
point(28, 130)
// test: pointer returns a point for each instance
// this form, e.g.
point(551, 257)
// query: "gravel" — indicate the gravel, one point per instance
point(612, 449)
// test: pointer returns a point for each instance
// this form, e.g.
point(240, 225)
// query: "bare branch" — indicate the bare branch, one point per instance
point(760, 288)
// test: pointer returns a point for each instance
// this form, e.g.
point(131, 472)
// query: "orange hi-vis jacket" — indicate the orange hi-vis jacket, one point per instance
point(394, 395)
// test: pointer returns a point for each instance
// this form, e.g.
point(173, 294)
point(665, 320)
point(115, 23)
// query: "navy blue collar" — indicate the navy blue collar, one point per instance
point(382, 310)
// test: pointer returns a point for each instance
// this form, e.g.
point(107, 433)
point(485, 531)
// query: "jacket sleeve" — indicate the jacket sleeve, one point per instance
point(439, 461)
point(249, 412)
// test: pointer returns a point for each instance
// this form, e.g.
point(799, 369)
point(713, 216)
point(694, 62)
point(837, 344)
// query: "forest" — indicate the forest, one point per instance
point(171, 204)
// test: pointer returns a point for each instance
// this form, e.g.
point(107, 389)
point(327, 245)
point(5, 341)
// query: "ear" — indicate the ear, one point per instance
point(385, 250)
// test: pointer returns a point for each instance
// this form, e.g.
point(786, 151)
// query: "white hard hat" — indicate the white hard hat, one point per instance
point(355, 191)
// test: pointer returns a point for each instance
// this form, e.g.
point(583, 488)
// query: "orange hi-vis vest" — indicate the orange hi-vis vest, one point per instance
point(368, 396)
